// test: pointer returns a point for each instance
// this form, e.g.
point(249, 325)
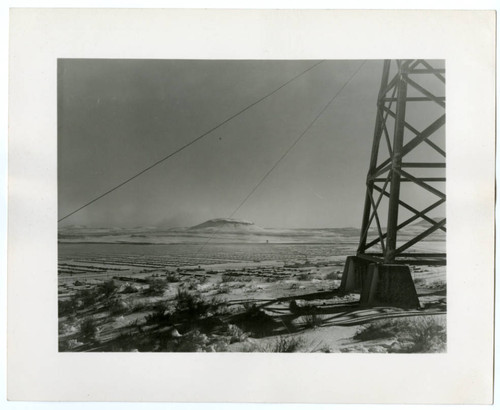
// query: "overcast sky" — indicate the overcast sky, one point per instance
point(116, 117)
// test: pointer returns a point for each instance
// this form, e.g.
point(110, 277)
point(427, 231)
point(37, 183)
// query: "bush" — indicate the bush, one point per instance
point(438, 284)
point(129, 289)
point(421, 334)
point(223, 290)
point(67, 307)
point(69, 345)
point(311, 321)
point(217, 306)
point(124, 342)
point(190, 302)
point(88, 329)
point(230, 278)
point(88, 297)
point(116, 306)
point(285, 345)
point(160, 316)
point(193, 342)
point(156, 287)
point(139, 307)
point(235, 334)
point(107, 288)
point(428, 335)
point(334, 275)
point(172, 277)
point(382, 329)
point(255, 321)
point(419, 281)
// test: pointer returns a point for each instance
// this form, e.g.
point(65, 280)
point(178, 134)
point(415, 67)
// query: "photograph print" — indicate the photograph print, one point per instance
point(271, 206)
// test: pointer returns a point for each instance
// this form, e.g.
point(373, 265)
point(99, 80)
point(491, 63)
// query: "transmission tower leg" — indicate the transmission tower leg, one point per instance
point(387, 284)
point(355, 271)
point(379, 278)
point(377, 135)
point(399, 128)
point(379, 284)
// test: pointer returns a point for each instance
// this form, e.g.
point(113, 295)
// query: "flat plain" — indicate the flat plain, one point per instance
point(230, 286)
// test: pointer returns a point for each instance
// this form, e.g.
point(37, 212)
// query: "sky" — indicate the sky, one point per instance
point(116, 117)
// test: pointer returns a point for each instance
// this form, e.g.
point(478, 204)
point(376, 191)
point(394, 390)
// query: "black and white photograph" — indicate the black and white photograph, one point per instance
point(271, 206)
point(192, 192)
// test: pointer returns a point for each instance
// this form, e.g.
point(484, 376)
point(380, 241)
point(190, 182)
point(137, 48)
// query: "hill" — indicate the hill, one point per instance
point(226, 225)
point(426, 224)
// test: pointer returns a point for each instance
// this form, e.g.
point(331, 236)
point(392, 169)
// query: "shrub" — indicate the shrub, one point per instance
point(438, 284)
point(196, 341)
point(138, 307)
point(190, 302)
point(66, 327)
point(428, 335)
point(88, 297)
point(322, 349)
point(132, 342)
point(285, 345)
point(379, 330)
point(334, 275)
point(107, 288)
point(235, 334)
point(203, 279)
point(193, 342)
point(160, 316)
point(172, 277)
point(217, 306)
point(196, 306)
point(67, 307)
point(116, 306)
point(88, 329)
point(413, 335)
point(129, 289)
point(311, 321)
point(229, 278)
point(124, 342)
point(223, 290)
point(156, 287)
point(303, 276)
point(419, 281)
point(255, 321)
point(69, 345)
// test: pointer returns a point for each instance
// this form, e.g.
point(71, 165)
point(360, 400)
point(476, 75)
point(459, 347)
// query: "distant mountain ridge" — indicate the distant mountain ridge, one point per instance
point(426, 223)
point(226, 224)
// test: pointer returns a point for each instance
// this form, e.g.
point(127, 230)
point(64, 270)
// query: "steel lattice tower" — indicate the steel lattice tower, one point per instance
point(411, 91)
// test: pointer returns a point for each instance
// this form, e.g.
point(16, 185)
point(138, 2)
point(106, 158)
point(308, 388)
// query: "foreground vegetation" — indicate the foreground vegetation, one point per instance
point(421, 334)
point(207, 308)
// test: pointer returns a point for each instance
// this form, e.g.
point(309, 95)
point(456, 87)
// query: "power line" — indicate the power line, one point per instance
point(188, 144)
point(288, 150)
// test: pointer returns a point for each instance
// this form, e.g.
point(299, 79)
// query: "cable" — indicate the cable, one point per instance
point(287, 151)
point(188, 144)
